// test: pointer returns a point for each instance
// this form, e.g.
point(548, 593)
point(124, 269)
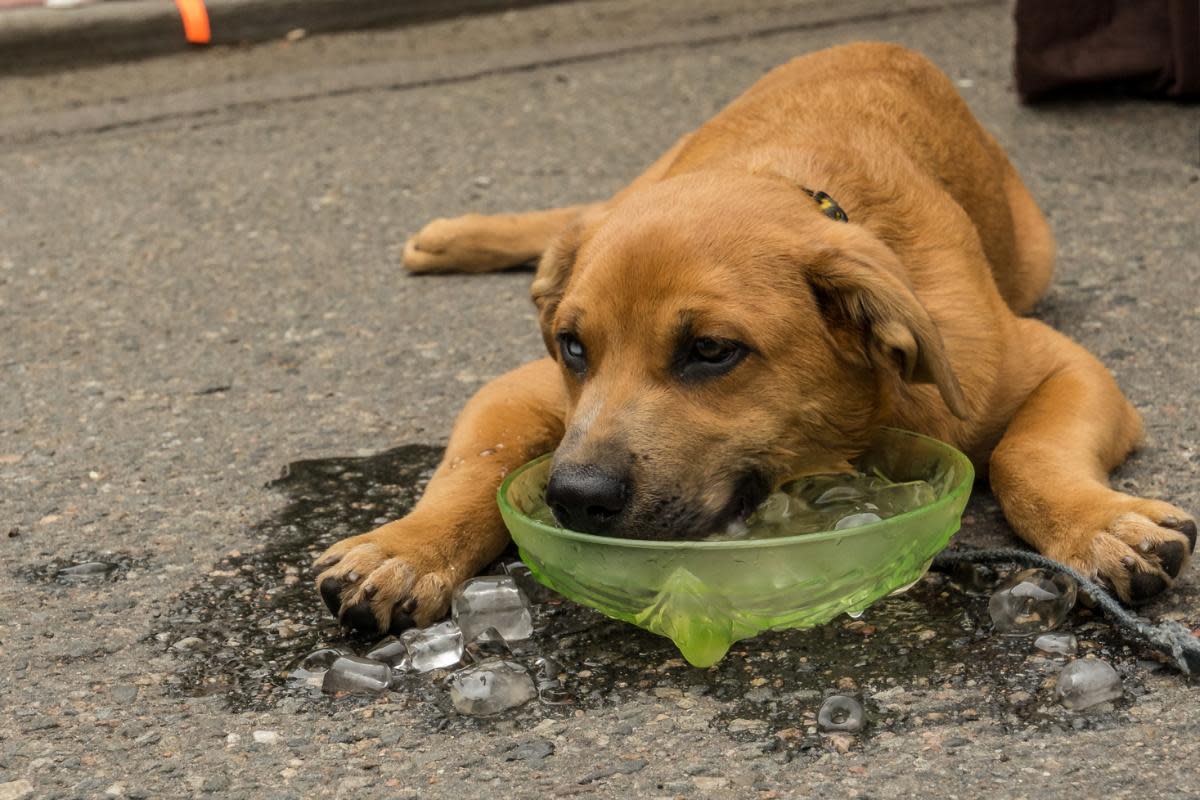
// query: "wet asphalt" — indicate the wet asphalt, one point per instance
point(199, 287)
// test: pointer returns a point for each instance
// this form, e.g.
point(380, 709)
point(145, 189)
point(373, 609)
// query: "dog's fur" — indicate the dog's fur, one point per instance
point(906, 315)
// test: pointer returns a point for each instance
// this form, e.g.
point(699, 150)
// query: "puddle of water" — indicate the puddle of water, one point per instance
point(257, 611)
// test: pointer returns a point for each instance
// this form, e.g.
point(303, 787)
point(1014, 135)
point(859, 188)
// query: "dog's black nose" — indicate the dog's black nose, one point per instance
point(586, 497)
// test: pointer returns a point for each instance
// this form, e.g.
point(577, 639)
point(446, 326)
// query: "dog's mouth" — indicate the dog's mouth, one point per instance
point(749, 493)
point(695, 525)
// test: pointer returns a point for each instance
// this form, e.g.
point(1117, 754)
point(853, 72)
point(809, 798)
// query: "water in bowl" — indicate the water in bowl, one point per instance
point(817, 503)
point(832, 502)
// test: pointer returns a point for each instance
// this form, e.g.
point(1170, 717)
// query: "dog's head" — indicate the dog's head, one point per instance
point(717, 335)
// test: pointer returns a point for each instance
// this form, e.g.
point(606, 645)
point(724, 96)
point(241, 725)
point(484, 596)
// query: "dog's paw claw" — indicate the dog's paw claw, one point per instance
point(402, 618)
point(1141, 547)
point(360, 617)
point(331, 592)
point(1171, 556)
point(1145, 585)
point(384, 582)
point(1185, 526)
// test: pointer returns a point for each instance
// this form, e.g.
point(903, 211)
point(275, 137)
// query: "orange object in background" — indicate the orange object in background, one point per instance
point(195, 21)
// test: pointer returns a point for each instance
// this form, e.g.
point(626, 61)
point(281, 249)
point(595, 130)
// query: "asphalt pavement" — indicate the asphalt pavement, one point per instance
point(200, 284)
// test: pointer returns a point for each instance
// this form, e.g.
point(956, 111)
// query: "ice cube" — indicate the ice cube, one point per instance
point(1087, 682)
point(492, 601)
point(358, 676)
point(553, 693)
point(548, 669)
point(487, 645)
point(775, 509)
point(1031, 601)
point(856, 520)
point(490, 687)
point(847, 493)
point(735, 529)
point(309, 671)
point(391, 651)
point(435, 647)
point(536, 591)
point(840, 713)
point(900, 498)
point(320, 660)
point(811, 488)
point(1063, 644)
point(549, 687)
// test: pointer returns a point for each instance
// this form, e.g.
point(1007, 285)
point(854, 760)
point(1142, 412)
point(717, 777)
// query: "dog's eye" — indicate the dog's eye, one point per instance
point(712, 351)
point(573, 353)
point(708, 357)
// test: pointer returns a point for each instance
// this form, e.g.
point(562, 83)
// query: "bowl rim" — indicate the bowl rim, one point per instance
point(950, 498)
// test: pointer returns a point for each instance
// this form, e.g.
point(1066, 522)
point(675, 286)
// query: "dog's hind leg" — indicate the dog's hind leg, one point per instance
point(486, 243)
point(1028, 277)
point(1050, 474)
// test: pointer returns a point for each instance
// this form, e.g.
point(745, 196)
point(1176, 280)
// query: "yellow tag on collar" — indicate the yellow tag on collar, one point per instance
point(827, 204)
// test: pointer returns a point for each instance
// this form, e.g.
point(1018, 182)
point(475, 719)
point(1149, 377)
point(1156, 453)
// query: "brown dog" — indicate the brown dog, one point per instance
point(724, 323)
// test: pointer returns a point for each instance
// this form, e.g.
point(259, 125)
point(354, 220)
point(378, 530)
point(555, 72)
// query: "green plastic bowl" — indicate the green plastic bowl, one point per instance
point(704, 596)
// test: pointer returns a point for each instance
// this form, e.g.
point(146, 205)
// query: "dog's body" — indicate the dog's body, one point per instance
point(719, 326)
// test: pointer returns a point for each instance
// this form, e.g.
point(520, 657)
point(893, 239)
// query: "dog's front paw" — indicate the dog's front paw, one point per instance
point(390, 579)
point(1137, 547)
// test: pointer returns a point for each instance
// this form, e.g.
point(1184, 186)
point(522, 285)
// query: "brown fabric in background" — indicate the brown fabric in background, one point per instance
point(1149, 46)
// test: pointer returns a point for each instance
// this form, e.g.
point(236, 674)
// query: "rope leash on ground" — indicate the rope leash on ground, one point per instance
point(1169, 638)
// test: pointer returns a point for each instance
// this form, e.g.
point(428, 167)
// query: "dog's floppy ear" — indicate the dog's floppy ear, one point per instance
point(870, 307)
point(554, 269)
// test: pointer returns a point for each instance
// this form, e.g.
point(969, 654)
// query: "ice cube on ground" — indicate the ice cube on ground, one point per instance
point(391, 651)
point(1031, 601)
point(552, 692)
point(533, 589)
point(548, 669)
point(487, 645)
point(492, 601)
point(856, 520)
point(549, 687)
point(320, 660)
point(491, 687)
point(357, 675)
point(1063, 644)
point(840, 713)
point(309, 670)
point(1087, 682)
point(435, 647)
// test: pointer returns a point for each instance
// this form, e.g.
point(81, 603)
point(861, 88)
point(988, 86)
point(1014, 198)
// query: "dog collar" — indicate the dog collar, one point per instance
point(827, 204)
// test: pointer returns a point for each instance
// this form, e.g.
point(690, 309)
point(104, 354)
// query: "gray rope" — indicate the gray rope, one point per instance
point(1169, 638)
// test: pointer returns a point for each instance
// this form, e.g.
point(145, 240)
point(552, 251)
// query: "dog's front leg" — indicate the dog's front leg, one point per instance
point(402, 574)
point(1050, 474)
